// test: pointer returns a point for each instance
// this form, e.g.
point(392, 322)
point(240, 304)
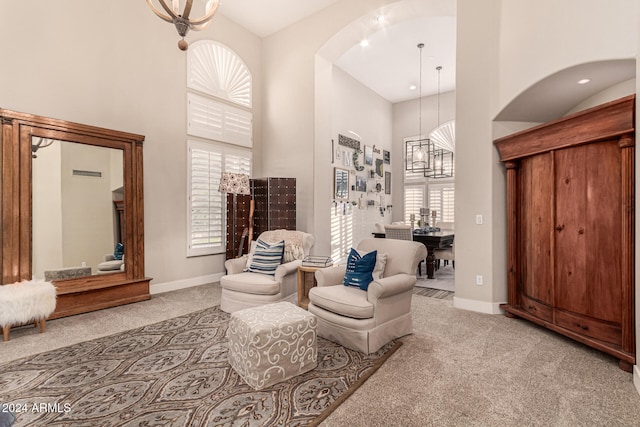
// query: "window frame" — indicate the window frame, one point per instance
point(214, 178)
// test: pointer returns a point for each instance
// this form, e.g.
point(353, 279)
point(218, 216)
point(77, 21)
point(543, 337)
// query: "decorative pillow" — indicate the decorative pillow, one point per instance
point(267, 257)
point(360, 269)
point(118, 251)
point(381, 263)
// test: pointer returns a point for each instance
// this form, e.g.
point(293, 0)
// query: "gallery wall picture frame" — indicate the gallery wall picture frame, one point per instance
point(368, 155)
point(386, 156)
point(387, 183)
point(379, 167)
point(340, 183)
point(361, 183)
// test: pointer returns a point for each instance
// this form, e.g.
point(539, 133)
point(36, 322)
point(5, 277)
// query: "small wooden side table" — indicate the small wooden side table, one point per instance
point(306, 281)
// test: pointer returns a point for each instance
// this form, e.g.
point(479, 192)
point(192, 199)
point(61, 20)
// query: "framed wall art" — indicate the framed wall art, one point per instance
point(368, 155)
point(387, 183)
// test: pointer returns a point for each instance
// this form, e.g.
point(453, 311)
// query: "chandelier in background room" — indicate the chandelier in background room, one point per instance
point(442, 164)
point(419, 152)
point(181, 18)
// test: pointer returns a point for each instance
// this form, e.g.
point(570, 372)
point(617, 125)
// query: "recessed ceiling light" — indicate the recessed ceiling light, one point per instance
point(364, 43)
point(413, 87)
point(583, 81)
point(380, 18)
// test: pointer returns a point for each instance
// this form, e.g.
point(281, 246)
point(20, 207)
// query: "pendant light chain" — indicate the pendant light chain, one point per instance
point(439, 68)
point(420, 46)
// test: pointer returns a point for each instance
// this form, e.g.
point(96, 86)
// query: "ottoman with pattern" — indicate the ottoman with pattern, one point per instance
point(272, 343)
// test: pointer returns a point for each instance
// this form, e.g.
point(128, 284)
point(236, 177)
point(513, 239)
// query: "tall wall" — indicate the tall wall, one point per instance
point(118, 66)
point(357, 111)
point(405, 124)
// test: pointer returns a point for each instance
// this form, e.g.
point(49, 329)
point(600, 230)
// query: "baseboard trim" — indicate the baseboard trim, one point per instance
point(636, 377)
point(479, 306)
point(159, 288)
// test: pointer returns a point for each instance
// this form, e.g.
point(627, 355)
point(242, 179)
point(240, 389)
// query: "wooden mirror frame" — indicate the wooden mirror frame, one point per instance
point(81, 294)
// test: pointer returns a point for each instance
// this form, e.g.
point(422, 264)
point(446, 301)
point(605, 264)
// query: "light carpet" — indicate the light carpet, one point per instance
point(443, 279)
point(174, 373)
point(468, 369)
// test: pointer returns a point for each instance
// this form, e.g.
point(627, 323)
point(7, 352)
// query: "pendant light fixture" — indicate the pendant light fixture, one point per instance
point(442, 164)
point(419, 152)
point(181, 19)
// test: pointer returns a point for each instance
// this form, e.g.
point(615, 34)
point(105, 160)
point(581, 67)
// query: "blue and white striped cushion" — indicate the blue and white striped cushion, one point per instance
point(267, 257)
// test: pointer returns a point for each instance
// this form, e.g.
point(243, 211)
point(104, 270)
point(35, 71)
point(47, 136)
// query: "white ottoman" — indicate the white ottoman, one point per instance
point(272, 343)
point(26, 302)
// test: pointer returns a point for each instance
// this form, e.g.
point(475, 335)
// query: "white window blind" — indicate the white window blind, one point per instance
point(413, 201)
point(207, 207)
point(211, 119)
point(216, 70)
point(442, 200)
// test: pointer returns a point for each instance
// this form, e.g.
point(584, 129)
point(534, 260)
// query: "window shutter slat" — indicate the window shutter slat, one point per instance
point(207, 206)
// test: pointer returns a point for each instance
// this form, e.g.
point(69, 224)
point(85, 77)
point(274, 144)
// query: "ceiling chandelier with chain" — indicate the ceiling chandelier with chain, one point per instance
point(179, 16)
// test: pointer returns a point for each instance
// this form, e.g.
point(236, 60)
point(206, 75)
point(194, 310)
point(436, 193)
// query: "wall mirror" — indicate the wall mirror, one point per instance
point(341, 183)
point(70, 192)
point(77, 190)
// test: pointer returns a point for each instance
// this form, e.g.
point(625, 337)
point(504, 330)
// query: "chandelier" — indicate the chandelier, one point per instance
point(442, 165)
point(181, 20)
point(419, 152)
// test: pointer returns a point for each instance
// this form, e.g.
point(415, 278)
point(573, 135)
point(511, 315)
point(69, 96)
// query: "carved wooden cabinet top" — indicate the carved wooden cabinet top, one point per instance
point(615, 118)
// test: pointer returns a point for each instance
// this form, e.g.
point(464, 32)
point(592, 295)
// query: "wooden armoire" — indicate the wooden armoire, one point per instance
point(570, 226)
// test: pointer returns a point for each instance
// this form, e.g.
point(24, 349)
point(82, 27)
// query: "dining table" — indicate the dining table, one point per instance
point(432, 240)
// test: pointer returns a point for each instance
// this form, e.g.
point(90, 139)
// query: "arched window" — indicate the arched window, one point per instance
point(219, 101)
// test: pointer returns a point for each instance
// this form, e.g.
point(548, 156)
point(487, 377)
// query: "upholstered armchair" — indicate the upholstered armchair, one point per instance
point(365, 320)
point(244, 289)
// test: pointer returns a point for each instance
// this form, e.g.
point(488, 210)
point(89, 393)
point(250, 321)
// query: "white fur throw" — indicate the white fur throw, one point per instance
point(26, 302)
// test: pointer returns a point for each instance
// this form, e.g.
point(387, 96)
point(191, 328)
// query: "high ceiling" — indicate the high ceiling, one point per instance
point(391, 61)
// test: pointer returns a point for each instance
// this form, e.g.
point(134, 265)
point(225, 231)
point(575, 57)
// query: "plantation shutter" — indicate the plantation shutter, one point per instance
point(207, 206)
point(211, 119)
point(413, 201)
point(442, 200)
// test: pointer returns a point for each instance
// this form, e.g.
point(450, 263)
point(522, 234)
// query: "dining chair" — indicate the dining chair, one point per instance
point(449, 253)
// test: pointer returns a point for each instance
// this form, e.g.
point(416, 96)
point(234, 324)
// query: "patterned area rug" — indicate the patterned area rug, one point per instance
point(433, 293)
point(174, 373)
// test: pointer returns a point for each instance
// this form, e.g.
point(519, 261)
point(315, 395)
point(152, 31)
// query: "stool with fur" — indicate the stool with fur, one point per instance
point(25, 302)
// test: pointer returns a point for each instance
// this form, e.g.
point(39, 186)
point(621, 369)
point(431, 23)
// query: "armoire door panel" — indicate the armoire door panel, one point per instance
point(536, 176)
point(586, 245)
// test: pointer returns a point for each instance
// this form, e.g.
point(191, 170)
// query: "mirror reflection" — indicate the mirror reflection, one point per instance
point(77, 198)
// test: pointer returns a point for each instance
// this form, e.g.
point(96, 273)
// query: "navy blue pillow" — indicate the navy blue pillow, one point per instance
point(118, 251)
point(359, 269)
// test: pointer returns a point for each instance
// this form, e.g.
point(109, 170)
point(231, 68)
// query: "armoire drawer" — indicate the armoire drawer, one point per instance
point(538, 309)
point(588, 326)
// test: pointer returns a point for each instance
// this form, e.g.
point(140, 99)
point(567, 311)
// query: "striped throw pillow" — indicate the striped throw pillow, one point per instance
point(267, 257)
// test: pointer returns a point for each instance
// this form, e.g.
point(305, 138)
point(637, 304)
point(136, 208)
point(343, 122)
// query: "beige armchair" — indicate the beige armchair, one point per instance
point(244, 289)
point(366, 320)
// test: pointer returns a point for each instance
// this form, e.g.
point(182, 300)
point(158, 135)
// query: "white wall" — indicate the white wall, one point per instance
point(118, 66)
point(405, 124)
point(87, 206)
point(47, 210)
point(540, 38)
point(356, 109)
